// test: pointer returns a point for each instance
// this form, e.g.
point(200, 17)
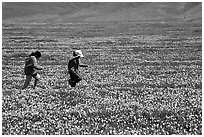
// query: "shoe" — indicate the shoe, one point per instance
point(72, 83)
point(78, 80)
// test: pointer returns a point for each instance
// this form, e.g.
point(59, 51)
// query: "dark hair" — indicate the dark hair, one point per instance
point(32, 54)
point(74, 53)
point(36, 54)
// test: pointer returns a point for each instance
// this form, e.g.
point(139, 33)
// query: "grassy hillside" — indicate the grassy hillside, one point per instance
point(142, 79)
point(90, 11)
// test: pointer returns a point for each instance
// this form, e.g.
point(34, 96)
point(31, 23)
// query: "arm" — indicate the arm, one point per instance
point(35, 64)
point(82, 65)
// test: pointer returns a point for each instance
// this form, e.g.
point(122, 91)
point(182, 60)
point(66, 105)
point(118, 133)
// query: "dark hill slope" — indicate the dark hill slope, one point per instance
point(23, 9)
point(103, 11)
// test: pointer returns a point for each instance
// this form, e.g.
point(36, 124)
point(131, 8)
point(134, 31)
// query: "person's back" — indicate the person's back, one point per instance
point(31, 68)
point(73, 64)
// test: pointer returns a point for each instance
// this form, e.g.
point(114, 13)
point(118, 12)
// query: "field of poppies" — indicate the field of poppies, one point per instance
point(143, 79)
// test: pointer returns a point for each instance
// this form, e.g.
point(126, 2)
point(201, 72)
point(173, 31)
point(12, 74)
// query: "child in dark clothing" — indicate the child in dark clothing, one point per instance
point(31, 68)
point(73, 66)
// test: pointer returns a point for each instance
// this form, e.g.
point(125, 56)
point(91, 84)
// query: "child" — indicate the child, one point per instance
point(31, 68)
point(73, 66)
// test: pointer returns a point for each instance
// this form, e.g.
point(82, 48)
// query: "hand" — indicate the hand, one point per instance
point(40, 68)
point(83, 65)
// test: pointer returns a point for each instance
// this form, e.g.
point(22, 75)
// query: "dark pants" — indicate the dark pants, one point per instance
point(75, 78)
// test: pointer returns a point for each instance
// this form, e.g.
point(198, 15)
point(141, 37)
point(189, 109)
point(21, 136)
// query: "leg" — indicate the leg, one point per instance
point(78, 79)
point(27, 81)
point(75, 78)
point(73, 84)
point(37, 79)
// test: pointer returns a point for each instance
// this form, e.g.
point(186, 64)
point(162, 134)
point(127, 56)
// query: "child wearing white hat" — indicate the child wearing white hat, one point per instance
point(73, 68)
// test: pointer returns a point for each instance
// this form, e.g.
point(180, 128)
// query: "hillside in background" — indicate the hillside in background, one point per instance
point(100, 12)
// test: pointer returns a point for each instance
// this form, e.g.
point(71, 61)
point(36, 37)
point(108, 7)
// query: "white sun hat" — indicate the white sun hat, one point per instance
point(78, 53)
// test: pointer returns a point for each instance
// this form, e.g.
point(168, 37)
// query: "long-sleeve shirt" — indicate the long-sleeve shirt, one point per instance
point(74, 65)
point(31, 66)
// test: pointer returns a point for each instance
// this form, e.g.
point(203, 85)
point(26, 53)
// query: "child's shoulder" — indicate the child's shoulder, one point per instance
point(32, 58)
point(71, 59)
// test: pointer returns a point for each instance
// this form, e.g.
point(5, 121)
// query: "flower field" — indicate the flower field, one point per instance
point(143, 79)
